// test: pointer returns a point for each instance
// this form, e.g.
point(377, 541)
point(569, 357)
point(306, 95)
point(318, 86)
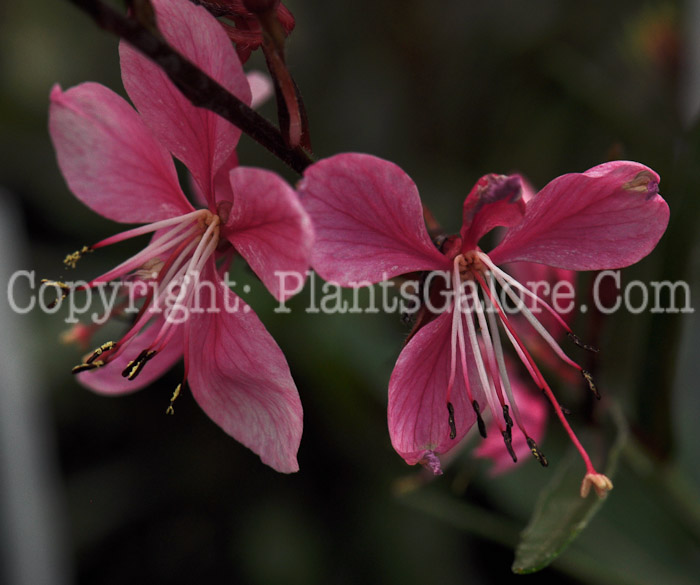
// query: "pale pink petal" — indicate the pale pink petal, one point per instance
point(608, 217)
point(268, 226)
point(368, 220)
point(495, 201)
point(110, 159)
point(533, 409)
point(109, 380)
point(240, 378)
point(261, 88)
point(418, 415)
point(198, 137)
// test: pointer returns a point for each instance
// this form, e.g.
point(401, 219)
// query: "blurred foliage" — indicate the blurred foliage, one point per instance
point(449, 91)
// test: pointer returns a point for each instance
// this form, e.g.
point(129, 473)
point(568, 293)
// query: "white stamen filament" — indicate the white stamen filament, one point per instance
point(504, 279)
point(486, 383)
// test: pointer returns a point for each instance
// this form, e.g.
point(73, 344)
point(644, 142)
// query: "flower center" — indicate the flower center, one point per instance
point(479, 320)
point(168, 269)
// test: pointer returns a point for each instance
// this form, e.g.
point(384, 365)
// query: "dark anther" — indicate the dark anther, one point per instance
point(537, 453)
point(87, 366)
point(451, 420)
point(135, 366)
point(479, 420)
point(591, 384)
point(64, 288)
point(580, 343)
point(506, 417)
point(508, 440)
point(100, 350)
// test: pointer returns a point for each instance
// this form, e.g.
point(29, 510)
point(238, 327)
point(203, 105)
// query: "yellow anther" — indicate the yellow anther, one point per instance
point(100, 350)
point(72, 259)
point(170, 409)
point(87, 366)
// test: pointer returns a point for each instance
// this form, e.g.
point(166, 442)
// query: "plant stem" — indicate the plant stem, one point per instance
point(196, 85)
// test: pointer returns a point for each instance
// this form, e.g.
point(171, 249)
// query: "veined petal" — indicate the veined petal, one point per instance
point(368, 220)
point(110, 159)
point(240, 378)
point(608, 217)
point(418, 415)
point(109, 380)
point(198, 137)
point(495, 201)
point(269, 227)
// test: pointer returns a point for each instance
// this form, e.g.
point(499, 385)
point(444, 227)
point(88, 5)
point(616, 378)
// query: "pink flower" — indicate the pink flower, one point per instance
point(369, 226)
point(119, 163)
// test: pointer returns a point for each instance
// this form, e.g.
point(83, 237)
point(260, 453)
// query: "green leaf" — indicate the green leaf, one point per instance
point(561, 513)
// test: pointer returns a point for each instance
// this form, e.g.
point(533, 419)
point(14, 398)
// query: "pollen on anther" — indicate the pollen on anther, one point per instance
point(72, 259)
point(536, 452)
point(87, 366)
point(100, 350)
point(176, 393)
point(591, 384)
point(134, 367)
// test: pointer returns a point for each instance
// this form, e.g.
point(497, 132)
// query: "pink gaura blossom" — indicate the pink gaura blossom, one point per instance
point(369, 226)
point(118, 161)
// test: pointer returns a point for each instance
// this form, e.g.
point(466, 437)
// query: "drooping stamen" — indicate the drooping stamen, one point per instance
point(486, 383)
point(86, 367)
point(457, 341)
point(100, 350)
point(451, 420)
point(62, 286)
point(167, 274)
point(479, 420)
point(503, 277)
point(494, 371)
point(170, 409)
point(488, 388)
point(577, 340)
point(591, 384)
point(507, 433)
point(541, 382)
point(135, 366)
point(536, 452)
point(204, 250)
point(534, 321)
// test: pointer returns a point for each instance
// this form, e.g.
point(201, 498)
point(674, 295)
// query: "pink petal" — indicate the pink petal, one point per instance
point(198, 137)
point(495, 200)
point(261, 88)
point(109, 380)
point(418, 415)
point(268, 226)
point(368, 220)
point(110, 159)
point(608, 217)
point(240, 378)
